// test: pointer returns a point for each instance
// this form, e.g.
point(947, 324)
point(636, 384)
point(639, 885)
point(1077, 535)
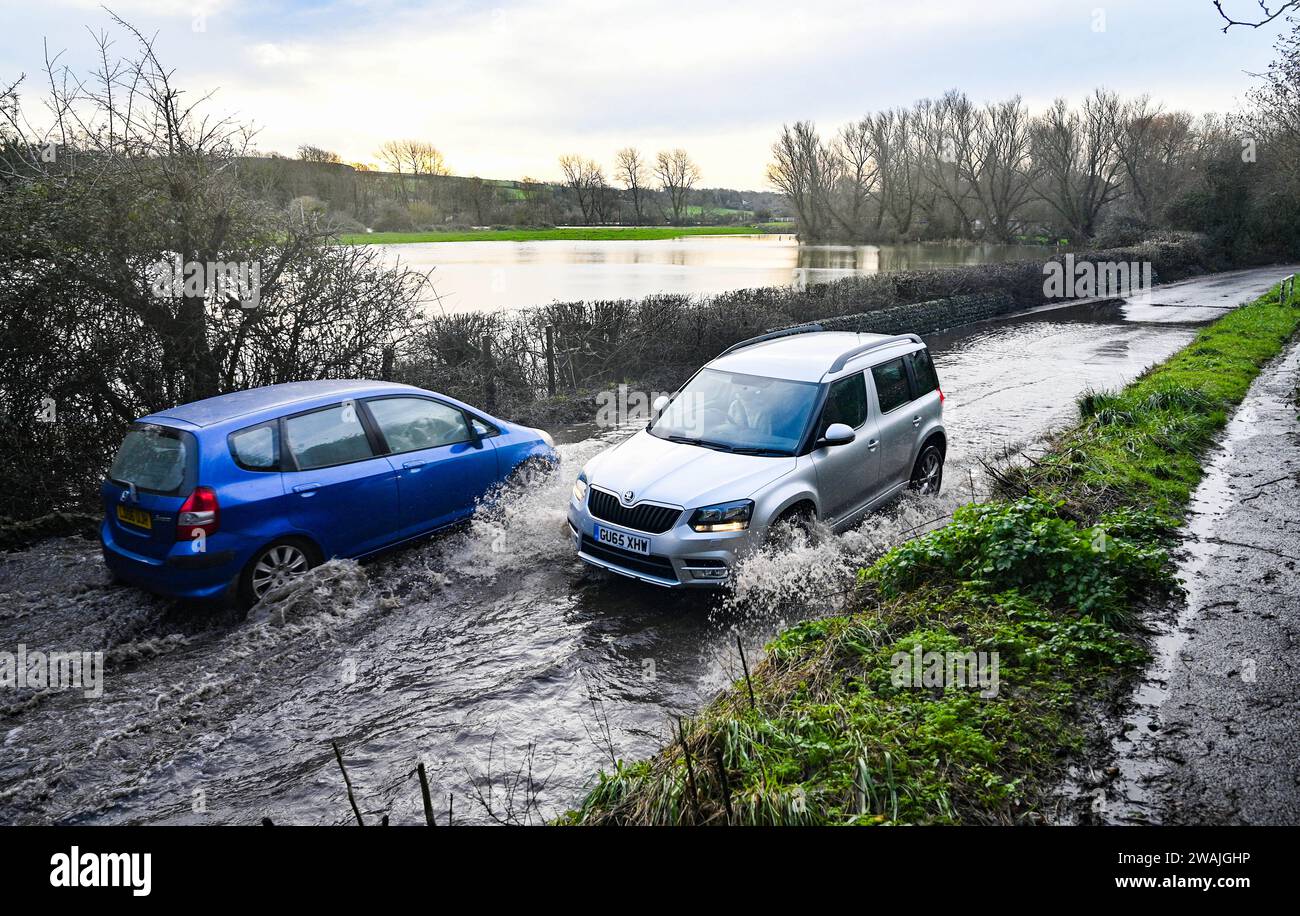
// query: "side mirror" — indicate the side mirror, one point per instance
point(837, 434)
point(659, 406)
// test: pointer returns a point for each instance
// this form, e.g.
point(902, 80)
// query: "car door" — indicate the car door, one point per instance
point(847, 475)
point(339, 488)
point(443, 466)
point(896, 425)
point(927, 404)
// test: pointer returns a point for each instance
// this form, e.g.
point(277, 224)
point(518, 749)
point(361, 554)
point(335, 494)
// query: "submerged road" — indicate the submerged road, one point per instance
point(491, 654)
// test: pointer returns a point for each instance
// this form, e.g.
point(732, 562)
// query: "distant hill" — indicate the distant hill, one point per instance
point(359, 199)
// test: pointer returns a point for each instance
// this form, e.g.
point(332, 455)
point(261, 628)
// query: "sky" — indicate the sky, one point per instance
point(505, 88)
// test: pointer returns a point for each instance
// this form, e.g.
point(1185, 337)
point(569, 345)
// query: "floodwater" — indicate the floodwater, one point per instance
point(491, 276)
point(489, 654)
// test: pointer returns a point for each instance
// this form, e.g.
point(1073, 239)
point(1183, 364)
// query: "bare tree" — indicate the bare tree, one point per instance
point(308, 153)
point(633, 173)
point(677, 174)
point(1268, 13)
point(854, 180)
point(415, 158)
point(141, 181)
point(945, 133)
point(894, 149)
point(805, 170)
point(586, 179)
point(1154, 147)
point(1079, 170)
point(1000, 168)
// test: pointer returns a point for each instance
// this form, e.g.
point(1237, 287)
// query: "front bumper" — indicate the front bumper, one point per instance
point(679, 558)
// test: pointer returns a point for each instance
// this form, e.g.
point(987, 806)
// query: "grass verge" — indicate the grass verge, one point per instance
point(829, 729)
point(577, 233)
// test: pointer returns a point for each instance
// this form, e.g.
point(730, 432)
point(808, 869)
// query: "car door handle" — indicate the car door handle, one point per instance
point(871, 444)
point(916, 421)
point(306, 489)
point(414, 465)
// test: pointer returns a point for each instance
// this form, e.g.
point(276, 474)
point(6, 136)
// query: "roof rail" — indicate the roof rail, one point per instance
point(843, 359)
point(771, 335)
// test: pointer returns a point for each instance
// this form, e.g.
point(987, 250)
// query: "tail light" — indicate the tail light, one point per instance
point(199, 513)
point(940, 395)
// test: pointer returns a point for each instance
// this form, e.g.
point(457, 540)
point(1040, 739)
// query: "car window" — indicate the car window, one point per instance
point(256, 448)
point(927, 379)
point(891, 384)
point(484, 428)
point(326, 437)
point(409, 424)
point(153, 458)
point(846, 402)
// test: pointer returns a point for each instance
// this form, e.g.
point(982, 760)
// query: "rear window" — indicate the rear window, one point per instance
point(927, 379)
point(327, 437)
point(154, 458)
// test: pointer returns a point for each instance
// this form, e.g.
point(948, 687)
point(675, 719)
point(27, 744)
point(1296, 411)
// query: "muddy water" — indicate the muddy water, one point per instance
point(490, 654)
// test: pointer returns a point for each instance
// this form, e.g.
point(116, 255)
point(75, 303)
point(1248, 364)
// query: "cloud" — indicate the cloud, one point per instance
point(505, 87)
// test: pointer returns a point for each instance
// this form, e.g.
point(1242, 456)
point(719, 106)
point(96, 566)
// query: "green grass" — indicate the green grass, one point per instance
point(579, 233)
point(1050, 577)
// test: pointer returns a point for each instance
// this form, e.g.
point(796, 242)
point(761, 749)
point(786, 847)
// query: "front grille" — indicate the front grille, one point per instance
point(660, 567)
point(645, 517)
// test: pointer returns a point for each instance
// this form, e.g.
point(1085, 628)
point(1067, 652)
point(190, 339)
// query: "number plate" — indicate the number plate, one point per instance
point(633, 543)
point(133, 516)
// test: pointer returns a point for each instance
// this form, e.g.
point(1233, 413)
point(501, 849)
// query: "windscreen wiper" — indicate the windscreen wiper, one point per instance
point(702, 443)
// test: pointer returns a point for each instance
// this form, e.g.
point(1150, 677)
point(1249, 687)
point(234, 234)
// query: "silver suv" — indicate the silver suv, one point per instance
point(793, 425)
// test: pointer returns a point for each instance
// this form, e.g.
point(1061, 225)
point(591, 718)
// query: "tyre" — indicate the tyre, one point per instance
point(927, 474)
point(274, 565)
point(532, 472)
point(794, 523)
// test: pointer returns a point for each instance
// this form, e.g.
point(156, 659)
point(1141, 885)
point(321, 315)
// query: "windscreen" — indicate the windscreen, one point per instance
point(735, 412)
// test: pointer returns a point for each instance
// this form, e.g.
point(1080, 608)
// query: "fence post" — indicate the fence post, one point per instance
point(1287, 291)
point(489, 380)
point(550, 360)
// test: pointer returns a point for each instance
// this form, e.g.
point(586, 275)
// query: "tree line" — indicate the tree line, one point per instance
point(1109, 169)
point(415, 190)
point(658, 190)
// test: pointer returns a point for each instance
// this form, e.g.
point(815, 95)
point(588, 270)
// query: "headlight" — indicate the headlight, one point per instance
point(546, 437)
point(580, 488)
point(723, 517)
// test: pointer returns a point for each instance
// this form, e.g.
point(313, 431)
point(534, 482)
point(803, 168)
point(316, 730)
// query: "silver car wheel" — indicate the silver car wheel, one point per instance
point(277, 566)
point(928, 476)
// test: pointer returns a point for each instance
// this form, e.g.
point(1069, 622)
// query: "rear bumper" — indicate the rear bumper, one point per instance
point(181, 574)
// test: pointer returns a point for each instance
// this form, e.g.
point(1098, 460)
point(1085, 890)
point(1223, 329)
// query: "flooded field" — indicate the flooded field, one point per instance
point(491, 276)
point(489, 654)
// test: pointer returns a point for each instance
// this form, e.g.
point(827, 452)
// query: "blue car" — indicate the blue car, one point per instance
point(231, 496)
